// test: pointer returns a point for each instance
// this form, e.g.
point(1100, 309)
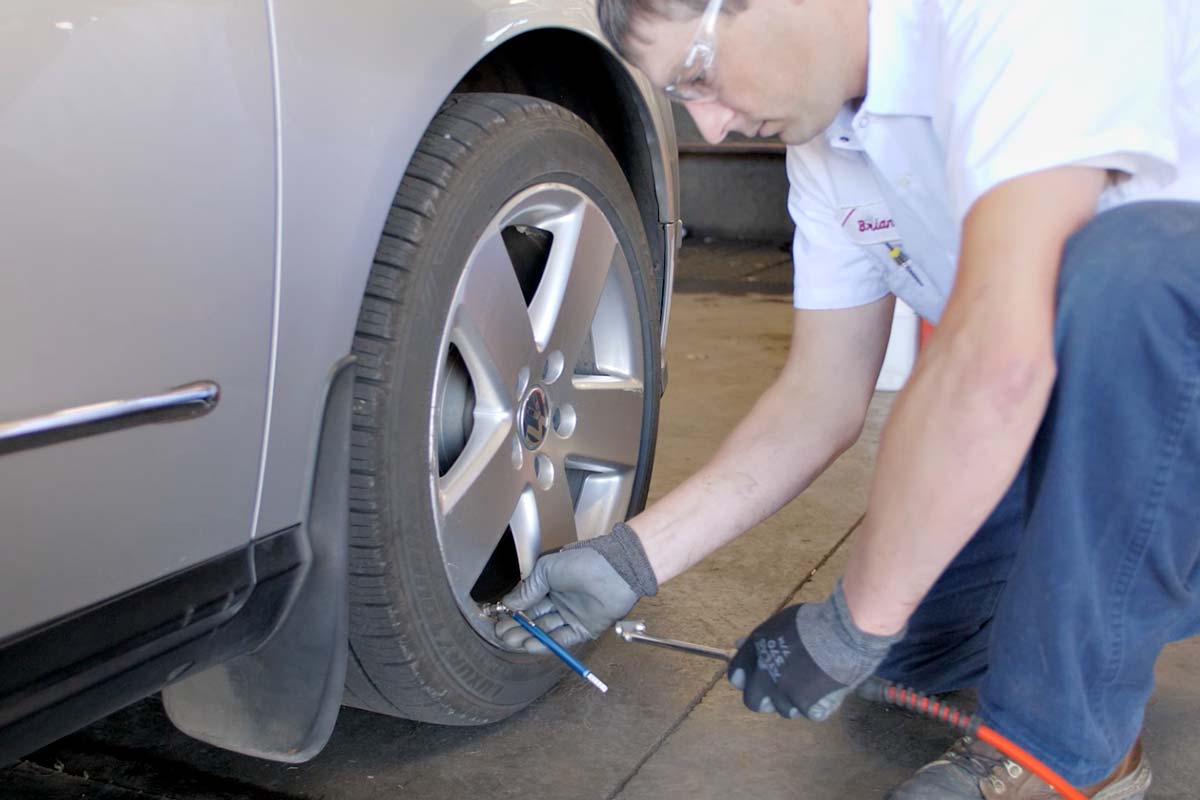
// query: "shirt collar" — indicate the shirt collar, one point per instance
point(840, 134)
point(901, 78)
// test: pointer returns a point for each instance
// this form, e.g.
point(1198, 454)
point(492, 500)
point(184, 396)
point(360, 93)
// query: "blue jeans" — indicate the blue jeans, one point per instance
point(1060, 604)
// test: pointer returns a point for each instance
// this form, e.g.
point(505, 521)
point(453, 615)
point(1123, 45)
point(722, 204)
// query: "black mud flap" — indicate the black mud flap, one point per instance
point(281, 701)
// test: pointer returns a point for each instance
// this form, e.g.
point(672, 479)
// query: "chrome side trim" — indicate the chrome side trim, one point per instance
point(183, 402)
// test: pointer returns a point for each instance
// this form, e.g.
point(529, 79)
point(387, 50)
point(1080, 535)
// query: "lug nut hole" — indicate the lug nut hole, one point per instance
point(564, 420)
point(543, 471)
point(554, 367)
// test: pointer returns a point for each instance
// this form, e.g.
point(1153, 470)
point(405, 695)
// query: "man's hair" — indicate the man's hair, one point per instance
point(618, 17)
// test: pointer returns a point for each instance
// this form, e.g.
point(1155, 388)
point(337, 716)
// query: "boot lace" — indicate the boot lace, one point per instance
point(981, 765)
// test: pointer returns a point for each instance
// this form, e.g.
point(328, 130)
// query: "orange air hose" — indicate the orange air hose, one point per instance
point(886, 692)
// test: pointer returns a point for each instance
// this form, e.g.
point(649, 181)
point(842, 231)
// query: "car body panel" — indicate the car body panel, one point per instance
point(137, 146)
point(345, 69)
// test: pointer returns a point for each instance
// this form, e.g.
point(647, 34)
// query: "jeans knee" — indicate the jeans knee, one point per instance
point(1134, 266)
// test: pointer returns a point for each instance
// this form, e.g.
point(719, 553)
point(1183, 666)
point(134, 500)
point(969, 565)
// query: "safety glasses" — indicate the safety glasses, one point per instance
point(693, 81)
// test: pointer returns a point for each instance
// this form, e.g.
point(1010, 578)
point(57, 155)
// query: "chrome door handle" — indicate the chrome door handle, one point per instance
point(183, 402)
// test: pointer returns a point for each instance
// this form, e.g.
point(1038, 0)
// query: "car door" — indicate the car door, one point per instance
point(137, 229)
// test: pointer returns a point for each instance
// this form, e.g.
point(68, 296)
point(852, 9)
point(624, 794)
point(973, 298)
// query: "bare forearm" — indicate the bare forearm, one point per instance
point(950, 449)
point(784, 443)
point(813, 412)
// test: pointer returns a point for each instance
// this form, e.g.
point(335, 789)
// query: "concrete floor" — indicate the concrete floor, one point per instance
point(670, 727)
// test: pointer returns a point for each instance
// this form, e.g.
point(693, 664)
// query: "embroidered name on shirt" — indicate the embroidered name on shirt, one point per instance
point(871, 223)
point(875, 225)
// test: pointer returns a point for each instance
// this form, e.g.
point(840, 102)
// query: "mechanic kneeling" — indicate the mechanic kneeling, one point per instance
point(1025, 174)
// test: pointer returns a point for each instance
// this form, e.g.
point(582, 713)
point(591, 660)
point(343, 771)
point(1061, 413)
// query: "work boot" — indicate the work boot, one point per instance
point(974, 770)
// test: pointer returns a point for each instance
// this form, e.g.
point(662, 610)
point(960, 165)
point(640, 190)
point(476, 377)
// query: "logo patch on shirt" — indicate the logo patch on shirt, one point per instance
point(869, 224)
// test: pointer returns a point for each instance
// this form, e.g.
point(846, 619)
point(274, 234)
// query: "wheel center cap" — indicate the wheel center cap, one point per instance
point(535, 418)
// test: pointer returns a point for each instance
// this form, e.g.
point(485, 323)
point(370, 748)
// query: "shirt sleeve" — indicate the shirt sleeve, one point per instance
point(1028, 85)
point(829, 271)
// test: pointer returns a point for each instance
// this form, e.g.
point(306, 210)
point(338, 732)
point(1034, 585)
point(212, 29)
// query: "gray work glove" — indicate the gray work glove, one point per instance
point(805, 660)
point(574, 594)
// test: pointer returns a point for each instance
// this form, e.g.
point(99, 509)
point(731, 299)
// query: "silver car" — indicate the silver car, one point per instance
point(319, 321)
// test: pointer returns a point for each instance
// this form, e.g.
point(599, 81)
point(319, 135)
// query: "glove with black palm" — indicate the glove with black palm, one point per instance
point(805, 660)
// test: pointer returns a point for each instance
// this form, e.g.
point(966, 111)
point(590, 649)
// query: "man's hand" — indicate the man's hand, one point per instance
point(579, 591)
point(805, 660)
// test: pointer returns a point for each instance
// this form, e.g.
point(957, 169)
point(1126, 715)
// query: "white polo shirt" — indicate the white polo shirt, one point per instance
point(963, 95)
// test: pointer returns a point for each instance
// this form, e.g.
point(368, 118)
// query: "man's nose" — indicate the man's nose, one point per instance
point(713, 119)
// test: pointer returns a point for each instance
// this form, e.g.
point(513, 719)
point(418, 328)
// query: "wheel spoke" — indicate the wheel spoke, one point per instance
point(580, 261)
point(556, 515)
point(491, 323)
point(608, 430)
point(527, 531)
point(544, 520)
point(478, 496)
point(603, 501)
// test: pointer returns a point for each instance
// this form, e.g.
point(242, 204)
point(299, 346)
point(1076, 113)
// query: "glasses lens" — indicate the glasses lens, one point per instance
point(690, 94)
point(694, 80)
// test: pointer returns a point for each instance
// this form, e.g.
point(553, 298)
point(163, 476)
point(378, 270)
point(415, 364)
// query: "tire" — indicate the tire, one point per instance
point(438, 411)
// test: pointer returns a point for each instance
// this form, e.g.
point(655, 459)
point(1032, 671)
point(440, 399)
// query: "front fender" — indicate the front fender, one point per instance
point(358, 84)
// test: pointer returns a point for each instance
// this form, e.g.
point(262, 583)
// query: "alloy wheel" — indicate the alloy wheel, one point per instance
point(538, 415)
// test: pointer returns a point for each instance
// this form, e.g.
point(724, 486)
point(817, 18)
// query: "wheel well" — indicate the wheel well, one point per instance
point(576, 72)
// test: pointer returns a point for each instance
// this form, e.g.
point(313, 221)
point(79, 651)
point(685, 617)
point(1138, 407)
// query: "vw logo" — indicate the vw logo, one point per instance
point(535, 414)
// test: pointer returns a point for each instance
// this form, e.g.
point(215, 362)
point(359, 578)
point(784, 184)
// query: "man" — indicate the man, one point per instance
point(1032, 523)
